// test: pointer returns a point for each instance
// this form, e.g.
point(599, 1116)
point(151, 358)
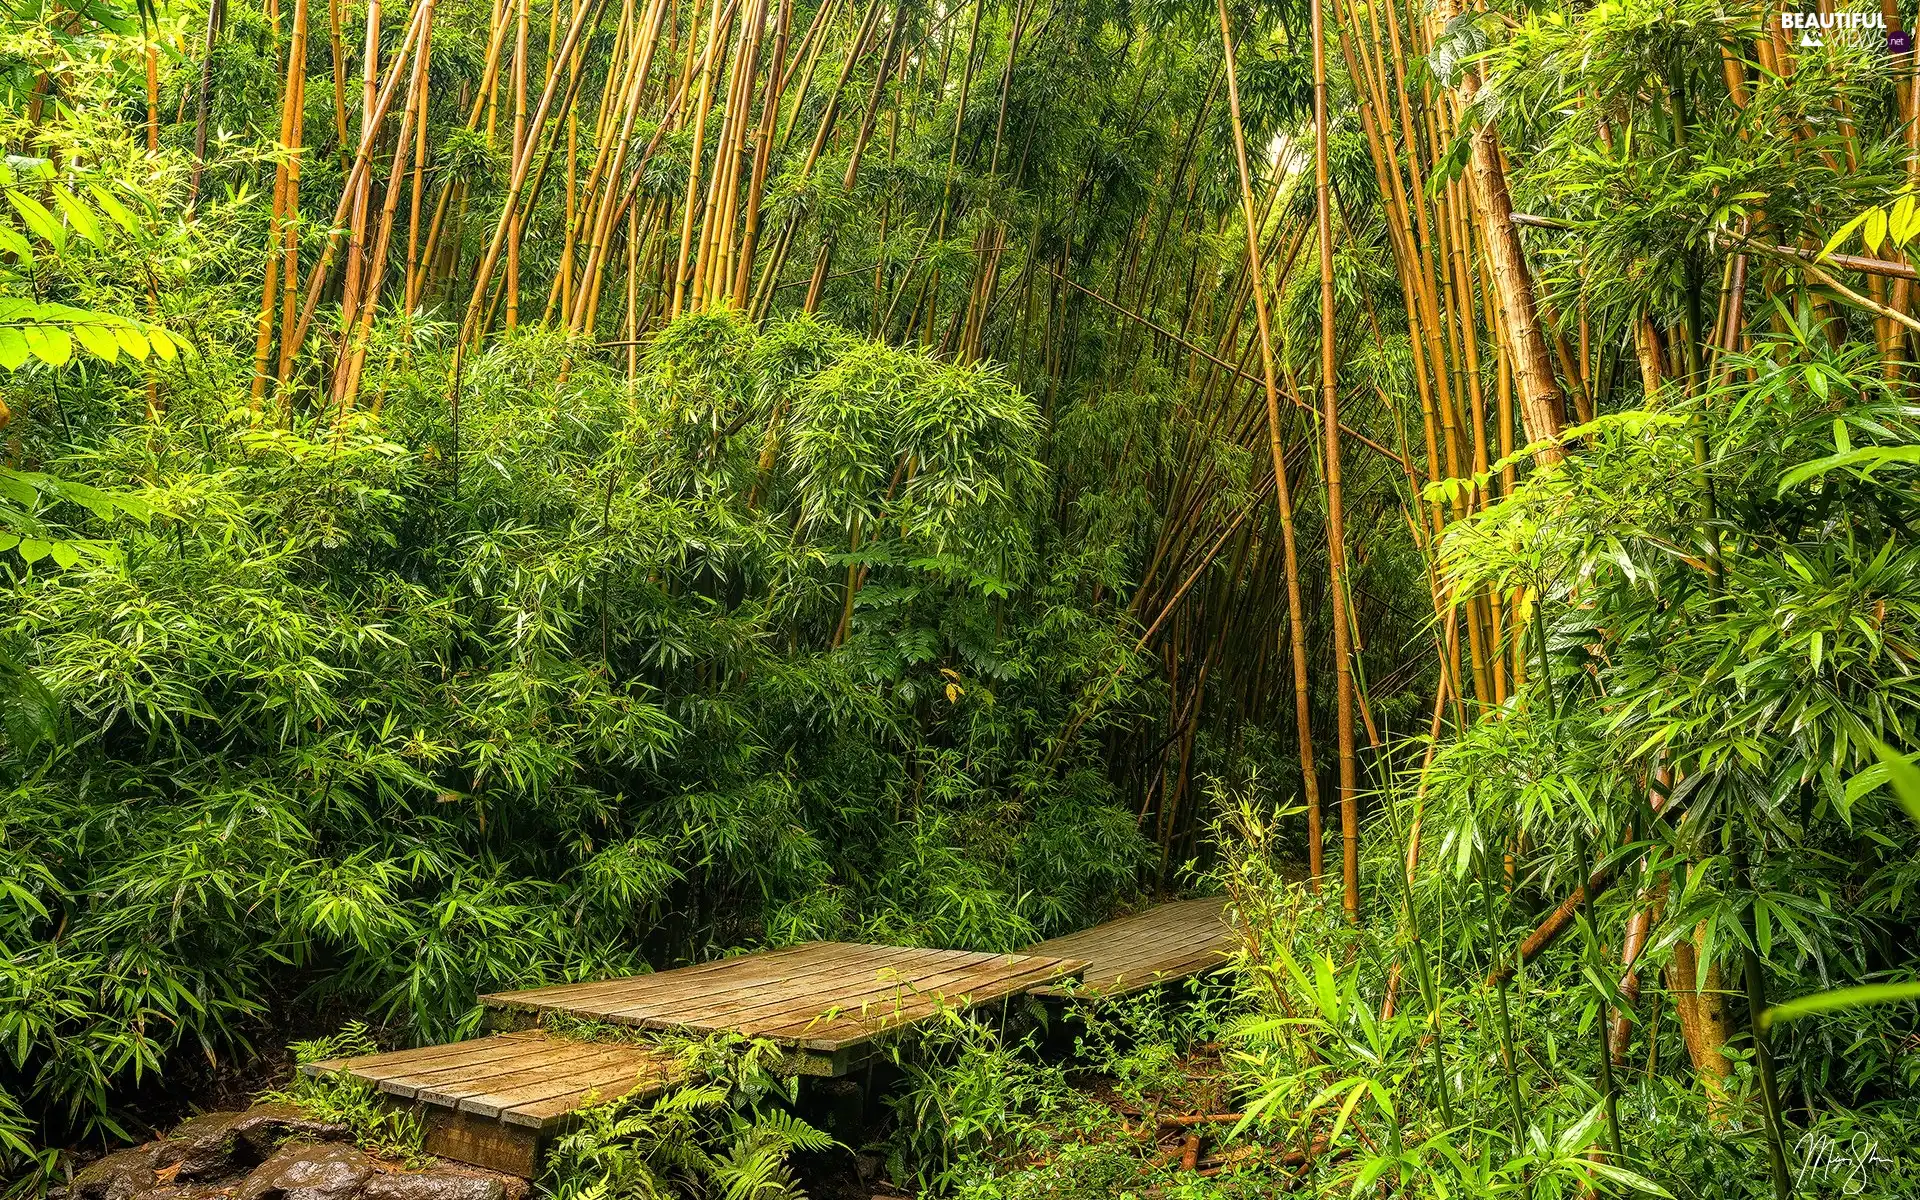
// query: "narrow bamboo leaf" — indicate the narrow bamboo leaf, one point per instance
point(79, 215)
point(38, 219)
point(13, 242)
point(1840, 1000)
point(1845, 231)
point(116, 211)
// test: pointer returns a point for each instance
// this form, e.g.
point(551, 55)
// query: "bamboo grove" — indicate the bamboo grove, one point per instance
point(506, 490)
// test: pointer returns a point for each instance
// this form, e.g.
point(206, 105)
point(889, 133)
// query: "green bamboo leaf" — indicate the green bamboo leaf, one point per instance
point(1903, 775)
point(13, 242)
point(1900, 223)
point(84, 222)
point(1840, 1000)
point(1346, 1110)
point(116, 211)
point(1629, 1179)
point(39, 220)
point(1866, 457)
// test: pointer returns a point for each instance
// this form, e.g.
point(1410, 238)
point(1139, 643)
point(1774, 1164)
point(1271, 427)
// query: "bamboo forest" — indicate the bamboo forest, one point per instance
point(974, 599)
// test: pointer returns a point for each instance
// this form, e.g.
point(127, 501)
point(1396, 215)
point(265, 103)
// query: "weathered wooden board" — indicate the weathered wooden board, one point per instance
point(493, 1101)
point(828, 1000)
point(1164, 943)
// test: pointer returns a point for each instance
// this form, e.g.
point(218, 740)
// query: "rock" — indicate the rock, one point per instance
point(263, 1127)
point(433, 1185)
point(221, 1143)
point(308, 1172)
point(118, 1176)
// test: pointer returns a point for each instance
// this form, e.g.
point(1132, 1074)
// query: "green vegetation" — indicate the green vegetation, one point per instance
point(496, 493)
point(376, 1127)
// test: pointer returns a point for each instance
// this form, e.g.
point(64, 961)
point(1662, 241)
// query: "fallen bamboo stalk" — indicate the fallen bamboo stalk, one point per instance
point(1849, 262)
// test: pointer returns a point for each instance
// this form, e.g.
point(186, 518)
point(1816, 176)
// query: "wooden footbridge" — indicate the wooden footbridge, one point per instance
point(495, 1101)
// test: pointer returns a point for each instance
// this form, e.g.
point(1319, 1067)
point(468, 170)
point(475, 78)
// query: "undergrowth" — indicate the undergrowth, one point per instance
point(377, 1126)
point(729, 1131)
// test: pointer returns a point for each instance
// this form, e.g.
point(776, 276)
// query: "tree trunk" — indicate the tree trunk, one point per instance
point(1541, 403)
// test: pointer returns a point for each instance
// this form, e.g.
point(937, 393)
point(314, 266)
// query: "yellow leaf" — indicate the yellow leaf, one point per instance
point(1901, 224)
point(1846, 231)
point(1876, 230)
point(98, 340)
point(131, 341)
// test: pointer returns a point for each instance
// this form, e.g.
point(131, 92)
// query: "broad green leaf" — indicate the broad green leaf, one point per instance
point(132, 341)
point(98, 340)
point(13, 348)
point(50, 344)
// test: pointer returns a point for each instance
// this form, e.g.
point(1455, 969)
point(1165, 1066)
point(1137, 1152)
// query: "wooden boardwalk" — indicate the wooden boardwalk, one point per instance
point(493, 1100)
point(1164, 943)
point(828, 1002)
point(496, 1101)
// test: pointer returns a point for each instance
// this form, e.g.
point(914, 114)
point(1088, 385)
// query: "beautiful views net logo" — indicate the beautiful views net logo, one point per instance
point(1861, 30)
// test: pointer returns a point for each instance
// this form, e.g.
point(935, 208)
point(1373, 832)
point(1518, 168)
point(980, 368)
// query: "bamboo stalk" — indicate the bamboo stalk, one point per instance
point(1310, 784)
point(1330, 422)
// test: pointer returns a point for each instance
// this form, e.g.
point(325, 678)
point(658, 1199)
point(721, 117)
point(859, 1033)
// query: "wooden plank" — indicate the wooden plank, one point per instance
point(1164, 943)
point(546, 1113)
point(562, 994)
point(420, 1054)
point(839, 1029)
point(741, 1005)
point(912, 975)
point(929, 1002)
point(407, 1083)
point(565, 1061)
point(742, 971)
point(612, 1077)
point(756, 989)
point(511, 1150)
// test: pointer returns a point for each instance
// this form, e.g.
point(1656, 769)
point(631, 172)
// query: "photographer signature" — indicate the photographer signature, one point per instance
point(1846, 1165)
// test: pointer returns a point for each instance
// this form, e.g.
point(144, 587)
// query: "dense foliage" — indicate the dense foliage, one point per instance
point(497, 493)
